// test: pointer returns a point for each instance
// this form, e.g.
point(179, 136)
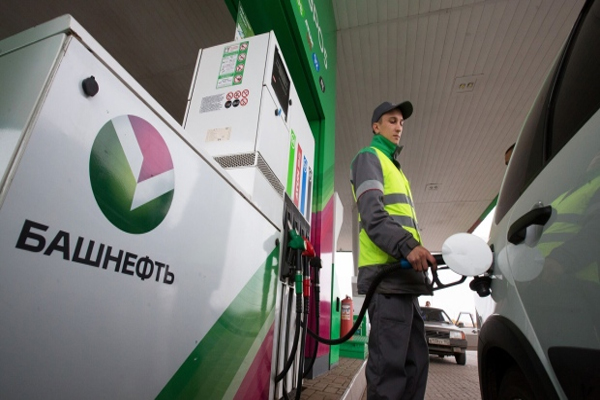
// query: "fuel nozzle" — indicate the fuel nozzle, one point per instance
point(310, 250)
point(296, 241)
point(307, 255)
point(295, 245)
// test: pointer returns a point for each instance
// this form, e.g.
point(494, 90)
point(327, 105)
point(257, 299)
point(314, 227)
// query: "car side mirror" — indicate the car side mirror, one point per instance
point(467, 254)
point(461, 325)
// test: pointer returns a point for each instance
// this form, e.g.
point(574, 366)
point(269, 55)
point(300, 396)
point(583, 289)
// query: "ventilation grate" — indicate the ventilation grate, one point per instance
point(236, 160)
point(268, 173)
point(251, 160)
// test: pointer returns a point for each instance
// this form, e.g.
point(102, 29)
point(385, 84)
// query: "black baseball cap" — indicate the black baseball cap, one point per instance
point(405, 108)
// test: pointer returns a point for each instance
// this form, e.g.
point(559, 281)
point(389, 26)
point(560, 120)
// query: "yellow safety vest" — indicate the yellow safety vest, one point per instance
point(397, 200)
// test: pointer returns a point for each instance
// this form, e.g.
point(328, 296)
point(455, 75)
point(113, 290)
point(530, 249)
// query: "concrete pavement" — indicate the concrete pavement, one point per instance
point(447, 380)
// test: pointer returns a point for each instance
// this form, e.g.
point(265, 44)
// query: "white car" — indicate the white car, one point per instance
point(540, 300)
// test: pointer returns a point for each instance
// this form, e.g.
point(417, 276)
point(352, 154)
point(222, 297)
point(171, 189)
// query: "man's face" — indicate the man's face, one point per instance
point(390, 126)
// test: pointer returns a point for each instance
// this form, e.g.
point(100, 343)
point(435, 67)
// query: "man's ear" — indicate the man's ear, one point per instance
point(375, 127)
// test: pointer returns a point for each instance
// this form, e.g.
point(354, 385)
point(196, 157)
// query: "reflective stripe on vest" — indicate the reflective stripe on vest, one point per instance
point(397, 201)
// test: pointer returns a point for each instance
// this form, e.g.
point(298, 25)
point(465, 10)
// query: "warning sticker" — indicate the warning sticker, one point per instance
point(233, 48)
point(227, 65)
point(233, 64)
point(211, 103)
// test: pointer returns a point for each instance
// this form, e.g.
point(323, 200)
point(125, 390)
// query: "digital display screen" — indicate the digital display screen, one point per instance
point(280, 82)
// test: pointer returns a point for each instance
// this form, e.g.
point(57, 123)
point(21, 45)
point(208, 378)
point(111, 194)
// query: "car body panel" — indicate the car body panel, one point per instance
point(545, 282)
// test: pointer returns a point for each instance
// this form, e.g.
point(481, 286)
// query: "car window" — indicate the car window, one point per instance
point(435, 315)
point(577, 94)
point(527, 157)
point(567, 99)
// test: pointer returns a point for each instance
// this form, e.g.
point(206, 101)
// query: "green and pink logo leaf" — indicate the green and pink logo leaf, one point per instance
point(131, 172)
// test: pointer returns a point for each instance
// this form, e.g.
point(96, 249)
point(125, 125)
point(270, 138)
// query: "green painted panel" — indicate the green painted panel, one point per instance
point(315, 22)
point(209, 370)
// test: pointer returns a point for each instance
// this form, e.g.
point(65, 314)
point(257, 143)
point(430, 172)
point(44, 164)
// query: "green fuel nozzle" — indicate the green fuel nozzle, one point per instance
point(295, 245)
point(296, 241)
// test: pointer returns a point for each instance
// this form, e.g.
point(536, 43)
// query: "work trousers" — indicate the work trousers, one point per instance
point(398, 353)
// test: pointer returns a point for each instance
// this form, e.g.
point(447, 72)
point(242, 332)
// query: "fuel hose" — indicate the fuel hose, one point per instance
point(404, 264)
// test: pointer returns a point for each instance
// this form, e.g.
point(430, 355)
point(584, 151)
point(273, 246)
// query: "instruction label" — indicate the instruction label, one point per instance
point(211, 103)
point(233, 64)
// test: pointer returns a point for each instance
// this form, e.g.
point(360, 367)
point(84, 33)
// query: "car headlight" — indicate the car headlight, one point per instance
point(457, 335)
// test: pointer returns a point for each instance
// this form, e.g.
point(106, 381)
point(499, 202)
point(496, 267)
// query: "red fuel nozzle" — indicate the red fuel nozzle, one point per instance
point(310, 250)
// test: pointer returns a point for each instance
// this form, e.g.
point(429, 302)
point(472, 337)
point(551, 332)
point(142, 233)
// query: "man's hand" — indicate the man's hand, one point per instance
point(420, 258)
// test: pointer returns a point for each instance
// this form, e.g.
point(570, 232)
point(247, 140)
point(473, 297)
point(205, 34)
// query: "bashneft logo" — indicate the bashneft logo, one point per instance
point(131, 173)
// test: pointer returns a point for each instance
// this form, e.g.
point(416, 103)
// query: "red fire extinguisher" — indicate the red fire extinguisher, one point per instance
point(347, 314)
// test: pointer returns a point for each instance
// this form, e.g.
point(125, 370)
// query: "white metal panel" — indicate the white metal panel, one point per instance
point(261, 126)
point(273, 138)
point(22, 78)
point(209, 111)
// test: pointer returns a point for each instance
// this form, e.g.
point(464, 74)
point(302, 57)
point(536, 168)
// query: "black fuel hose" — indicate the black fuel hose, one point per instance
point(378, 278)
point(299, 324)
point(315, 264)
point(301, 366)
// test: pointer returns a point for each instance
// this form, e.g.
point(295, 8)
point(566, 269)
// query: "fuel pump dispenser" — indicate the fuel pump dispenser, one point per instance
point(244, 110)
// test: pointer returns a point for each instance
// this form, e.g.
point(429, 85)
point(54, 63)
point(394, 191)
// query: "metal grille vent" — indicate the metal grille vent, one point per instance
point(268, 173)
point(236, 160)
point(251, 160)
